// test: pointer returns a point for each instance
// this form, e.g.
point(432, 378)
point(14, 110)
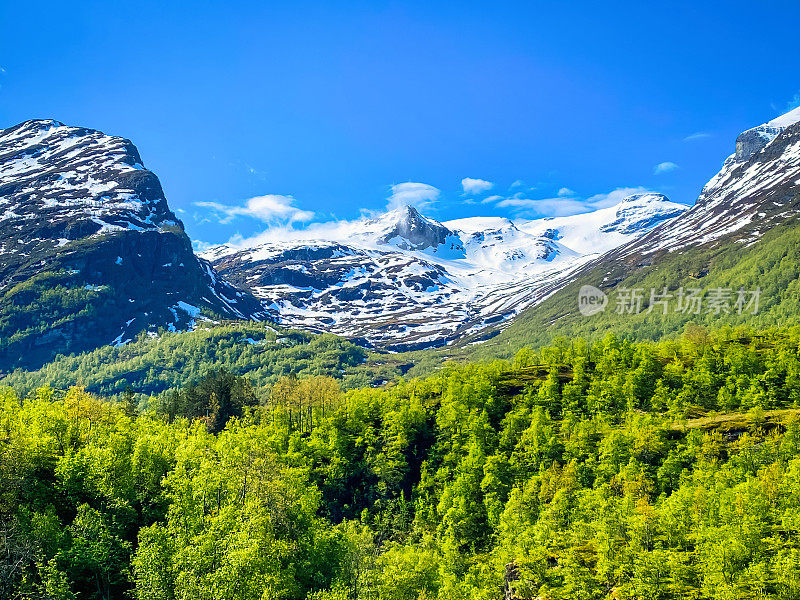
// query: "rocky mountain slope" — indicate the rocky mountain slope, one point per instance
point(403, 281)
point(90, 252)
point(755, 190)
point(742, 233)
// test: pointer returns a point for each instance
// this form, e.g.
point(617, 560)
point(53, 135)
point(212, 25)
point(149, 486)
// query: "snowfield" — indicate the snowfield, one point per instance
point(402, 280)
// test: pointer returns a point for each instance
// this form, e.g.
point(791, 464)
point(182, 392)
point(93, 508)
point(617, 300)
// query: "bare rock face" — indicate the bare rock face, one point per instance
point(90, 253)
point(411, 231)
point(510, 579)
point(754, 140)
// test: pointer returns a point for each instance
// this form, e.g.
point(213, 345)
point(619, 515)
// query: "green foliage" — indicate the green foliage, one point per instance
point(172, 360)
point(612, 469)
point(47, 300)
point(772, 264)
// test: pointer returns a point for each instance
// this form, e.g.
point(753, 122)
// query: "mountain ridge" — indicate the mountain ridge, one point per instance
point(83, 216)
point(90, 252)
point(752, 204)
point(403, 281)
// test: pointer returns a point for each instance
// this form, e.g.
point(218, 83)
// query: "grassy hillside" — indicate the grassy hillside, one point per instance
point(153, 365)
point(771, 264)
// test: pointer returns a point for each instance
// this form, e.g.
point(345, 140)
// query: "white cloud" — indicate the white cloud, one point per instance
point(515, 202)
point(551, 207)
point(272, 208)
point(664, 167)
point(339, 231)
point(793, 103)
point(698, 135)
point(475, 186)
point(491, 199)
point(419, 195)
point(614, 197)
point(201, 246)
point(565, 203)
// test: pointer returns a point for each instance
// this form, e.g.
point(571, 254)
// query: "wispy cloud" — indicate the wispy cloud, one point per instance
point(475, 186)
point(558, 206)
point(664, 167)
point(201, 246)
point(272, 208)
point(793, 103)
point(614, 197)
point(565, 203)
point(419, 195)
point(699, 135)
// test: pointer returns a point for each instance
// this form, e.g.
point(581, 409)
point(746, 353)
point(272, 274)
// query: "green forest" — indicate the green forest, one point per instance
point(151, 365)
point(614, 469)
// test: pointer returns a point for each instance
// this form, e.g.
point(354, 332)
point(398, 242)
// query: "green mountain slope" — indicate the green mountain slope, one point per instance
point(772, 264)
point(90, 253)
point(150, 365)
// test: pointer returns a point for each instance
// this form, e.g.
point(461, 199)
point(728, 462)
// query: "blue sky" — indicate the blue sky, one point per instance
point(261, 113)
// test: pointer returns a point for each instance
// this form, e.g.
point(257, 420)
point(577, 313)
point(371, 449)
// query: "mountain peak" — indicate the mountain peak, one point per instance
point(407, 209)
point(404, 213)
point(755, 189)
point(756, 139)
point(80, 212)
point(641, 212)
point(78, 181)
point(787, 119)
point(38, 124)
point(406, 228)
point(644, 198)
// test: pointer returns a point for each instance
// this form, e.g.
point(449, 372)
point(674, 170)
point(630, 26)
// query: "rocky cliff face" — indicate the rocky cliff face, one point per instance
point(407, 229)
point(90, 252)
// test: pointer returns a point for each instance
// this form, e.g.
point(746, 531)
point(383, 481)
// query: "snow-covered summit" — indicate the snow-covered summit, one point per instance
point(756, 139)
point(756, 189)
point(80, 211)
point(404, 280)
point(597, 232)
point(786, 119)
point(49, 170)
point(405, 228)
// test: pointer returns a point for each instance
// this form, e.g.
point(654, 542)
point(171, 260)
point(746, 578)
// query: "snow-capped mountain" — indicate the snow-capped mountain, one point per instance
point(757, 187)
point(90, 252)
point(738, 235)
point(404, 281)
